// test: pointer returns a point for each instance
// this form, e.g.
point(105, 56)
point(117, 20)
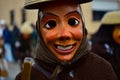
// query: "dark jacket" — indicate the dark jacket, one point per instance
point(89, 67)
point(7, 36)
point(104, 45)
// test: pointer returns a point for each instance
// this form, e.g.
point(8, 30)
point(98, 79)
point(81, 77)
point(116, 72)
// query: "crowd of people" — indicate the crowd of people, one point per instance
point(16, 43)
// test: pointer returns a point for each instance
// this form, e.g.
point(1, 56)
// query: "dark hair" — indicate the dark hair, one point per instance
point(104, 34)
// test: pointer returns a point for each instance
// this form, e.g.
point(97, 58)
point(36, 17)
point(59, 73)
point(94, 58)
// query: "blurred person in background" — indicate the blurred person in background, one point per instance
point(106, 41)
point(15, 36)
point(3, 62)
point(7, 42)
point(25, 46)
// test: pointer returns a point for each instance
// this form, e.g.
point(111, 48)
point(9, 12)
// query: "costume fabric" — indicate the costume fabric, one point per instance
point(88, 67)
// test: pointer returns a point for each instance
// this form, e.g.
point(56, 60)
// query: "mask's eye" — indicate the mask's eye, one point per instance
point(50, 24)
point(73, 22)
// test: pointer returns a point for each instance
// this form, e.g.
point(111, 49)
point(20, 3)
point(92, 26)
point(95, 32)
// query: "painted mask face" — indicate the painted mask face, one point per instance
point(116, 34)
point(61, 29)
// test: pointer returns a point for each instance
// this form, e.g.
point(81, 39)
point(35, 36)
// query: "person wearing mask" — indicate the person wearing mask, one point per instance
point(62, 51)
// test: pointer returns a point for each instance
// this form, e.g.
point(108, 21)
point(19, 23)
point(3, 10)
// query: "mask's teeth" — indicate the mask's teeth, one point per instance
point(64, 47)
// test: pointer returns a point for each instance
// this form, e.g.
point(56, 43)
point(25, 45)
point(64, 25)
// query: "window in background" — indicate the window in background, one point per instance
point(100, 7)
point(12, 17)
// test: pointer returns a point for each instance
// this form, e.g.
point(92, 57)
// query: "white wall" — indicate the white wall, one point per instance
point(7, 5)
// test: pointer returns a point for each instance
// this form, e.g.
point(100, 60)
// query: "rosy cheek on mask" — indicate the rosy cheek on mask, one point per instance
point(78, 34)
point(51, 36)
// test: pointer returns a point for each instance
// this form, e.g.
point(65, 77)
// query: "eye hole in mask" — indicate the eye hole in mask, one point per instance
point(73, 22)
point(50, 24)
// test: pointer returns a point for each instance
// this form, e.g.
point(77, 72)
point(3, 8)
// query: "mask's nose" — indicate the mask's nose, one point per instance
point(64, 32)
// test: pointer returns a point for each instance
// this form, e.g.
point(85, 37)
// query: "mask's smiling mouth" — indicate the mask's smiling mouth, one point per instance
point(64, 49)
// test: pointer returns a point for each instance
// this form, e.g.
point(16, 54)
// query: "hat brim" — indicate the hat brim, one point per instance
point(36, 4)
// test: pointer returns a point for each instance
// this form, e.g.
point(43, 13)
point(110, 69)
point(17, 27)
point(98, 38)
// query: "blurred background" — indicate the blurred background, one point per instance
point(13, 15)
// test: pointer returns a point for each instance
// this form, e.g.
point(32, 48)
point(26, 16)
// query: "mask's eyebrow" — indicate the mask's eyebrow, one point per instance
point(47, 14)
point(72, 13)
